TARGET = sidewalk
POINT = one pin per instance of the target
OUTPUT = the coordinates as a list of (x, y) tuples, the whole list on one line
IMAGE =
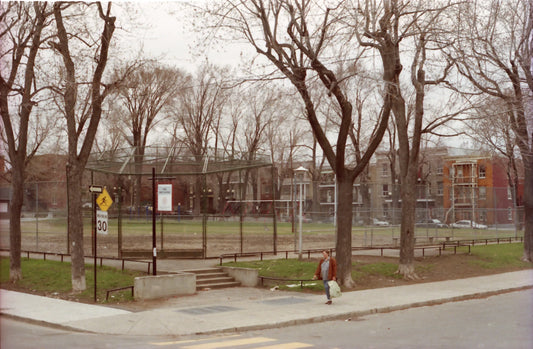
[(238, 309)]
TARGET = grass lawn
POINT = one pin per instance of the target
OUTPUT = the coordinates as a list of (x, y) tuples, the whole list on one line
[(53, 278), (373, 271), (497, 256)]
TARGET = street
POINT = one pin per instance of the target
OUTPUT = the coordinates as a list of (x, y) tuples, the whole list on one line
[(502, 321)]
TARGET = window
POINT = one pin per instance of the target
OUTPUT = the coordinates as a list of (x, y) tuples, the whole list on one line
[(385, 190), (483, 215), (355, 193), (439, 169), (460, 193), (440, 188), (509, 214), (459, 172), (482, 171), (482, 193), (509, 193), (384, 170)]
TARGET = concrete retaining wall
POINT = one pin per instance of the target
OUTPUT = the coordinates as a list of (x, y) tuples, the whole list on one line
[(247, 277), (151, 287)]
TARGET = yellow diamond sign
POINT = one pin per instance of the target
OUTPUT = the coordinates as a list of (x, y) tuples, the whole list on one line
[(104, 201)]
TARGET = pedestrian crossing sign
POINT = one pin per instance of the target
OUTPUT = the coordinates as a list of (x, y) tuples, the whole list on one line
[(104, 201)]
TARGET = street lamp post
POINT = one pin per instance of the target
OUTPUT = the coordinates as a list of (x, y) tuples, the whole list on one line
[(300, 172)]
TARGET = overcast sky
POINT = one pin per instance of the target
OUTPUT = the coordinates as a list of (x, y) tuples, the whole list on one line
[(169, 32)]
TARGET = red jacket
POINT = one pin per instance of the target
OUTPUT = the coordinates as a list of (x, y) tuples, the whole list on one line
[(332, 272)]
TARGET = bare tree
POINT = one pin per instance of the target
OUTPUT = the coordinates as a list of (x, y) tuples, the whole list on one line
[(493, 131), (143, 98), (493, 50), (284, 137), (82, 113), (197, 108), (110, 136), (21, 34), (260, 110), (225, 130), (382, 27), (299, 38)]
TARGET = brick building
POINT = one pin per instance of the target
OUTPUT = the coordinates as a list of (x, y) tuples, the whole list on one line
[(477, 188)]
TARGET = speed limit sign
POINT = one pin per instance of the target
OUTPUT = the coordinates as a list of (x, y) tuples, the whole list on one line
[(101, 222)]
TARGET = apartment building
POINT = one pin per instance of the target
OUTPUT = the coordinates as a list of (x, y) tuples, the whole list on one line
[(477, 188), (430, 185), (453, 184)]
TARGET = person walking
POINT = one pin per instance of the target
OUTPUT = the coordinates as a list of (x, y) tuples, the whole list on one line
[(326, 271)]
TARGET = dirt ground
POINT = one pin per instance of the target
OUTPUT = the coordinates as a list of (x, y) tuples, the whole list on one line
[(217, 244), (429, 269)]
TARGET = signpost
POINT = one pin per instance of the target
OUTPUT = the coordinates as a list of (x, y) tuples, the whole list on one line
[(160, 203), (164, 203), (95, 188), (101, 222), (103, 201), (164, 197)]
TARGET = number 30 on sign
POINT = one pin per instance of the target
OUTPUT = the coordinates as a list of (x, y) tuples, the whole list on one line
[(101, 222)]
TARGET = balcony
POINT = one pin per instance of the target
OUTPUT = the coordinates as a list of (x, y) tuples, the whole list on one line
[(462, 201), (465, 180)]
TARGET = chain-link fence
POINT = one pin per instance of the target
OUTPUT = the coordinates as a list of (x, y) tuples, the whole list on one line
[(243, 226)]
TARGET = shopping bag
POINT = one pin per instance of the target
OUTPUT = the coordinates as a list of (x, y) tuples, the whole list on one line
[(334, 289)]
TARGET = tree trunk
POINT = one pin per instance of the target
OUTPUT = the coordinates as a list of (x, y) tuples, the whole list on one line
[(137, 191), (18, 154), (75, 225), (138, 163), (223, 195), (364, 191), (528, 209), (407, 236), (344, 231), (198, 195), (316, 214), (76, 162), (15, 245), (255, 190)]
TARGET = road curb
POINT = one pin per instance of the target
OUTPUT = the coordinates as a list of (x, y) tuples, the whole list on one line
[(44, 323), (336, 312), (350, 315)]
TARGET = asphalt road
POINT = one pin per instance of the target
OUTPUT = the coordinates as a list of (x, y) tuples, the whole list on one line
[(502, 321)]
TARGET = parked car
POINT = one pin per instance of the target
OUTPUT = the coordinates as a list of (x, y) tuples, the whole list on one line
[(379, 223), (431, 223), (468, 224)]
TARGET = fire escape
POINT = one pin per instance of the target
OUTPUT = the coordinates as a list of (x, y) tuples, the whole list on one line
[(464, 178)]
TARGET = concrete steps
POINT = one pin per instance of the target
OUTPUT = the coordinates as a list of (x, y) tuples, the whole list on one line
[(212, 278)]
